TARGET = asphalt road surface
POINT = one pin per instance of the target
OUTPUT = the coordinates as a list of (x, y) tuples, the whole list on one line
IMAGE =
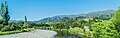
[(33, 34)]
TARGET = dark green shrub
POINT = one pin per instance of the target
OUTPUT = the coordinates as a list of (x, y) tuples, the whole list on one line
[(1, 21), (6, 28)]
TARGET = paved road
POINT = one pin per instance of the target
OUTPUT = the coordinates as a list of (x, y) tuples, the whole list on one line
[(32, 34)]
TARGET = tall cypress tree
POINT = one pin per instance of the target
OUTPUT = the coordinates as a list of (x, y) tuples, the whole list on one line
[(25, 19), (5, 15), (1, 8), (1, 12)]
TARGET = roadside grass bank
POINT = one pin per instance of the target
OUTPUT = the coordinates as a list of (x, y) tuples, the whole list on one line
[(16, 31)]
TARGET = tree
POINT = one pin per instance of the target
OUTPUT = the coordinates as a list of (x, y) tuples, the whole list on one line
[(1, 12), (25, 19), (108, 29), (75, 24), (65, 18), (104, 29), (1, 8), (116, 20), (4, 13)]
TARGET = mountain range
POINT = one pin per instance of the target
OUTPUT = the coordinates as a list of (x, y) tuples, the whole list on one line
[(59, 18)]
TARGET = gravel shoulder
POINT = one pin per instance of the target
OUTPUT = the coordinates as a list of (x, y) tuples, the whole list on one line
[(33, 34)]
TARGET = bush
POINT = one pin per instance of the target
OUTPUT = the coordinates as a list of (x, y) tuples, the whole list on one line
[(28, 29), (24, 30), (85, 32), (76, 31), (1, 21), (25, 25), (1, 26), (6, 28), (104, 29), (12, 27)]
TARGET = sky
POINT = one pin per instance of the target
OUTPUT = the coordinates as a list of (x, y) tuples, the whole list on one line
[(39, 9)]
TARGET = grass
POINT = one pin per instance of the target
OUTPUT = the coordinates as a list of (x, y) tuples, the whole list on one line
[(16, 31), (10, 32)]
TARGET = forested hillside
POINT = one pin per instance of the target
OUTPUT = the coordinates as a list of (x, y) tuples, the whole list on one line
[(107, 14)]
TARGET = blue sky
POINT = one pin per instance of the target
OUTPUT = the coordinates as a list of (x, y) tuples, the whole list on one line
[(38, 9)]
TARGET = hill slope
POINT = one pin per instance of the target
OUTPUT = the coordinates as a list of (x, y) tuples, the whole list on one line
[(87, 15)]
